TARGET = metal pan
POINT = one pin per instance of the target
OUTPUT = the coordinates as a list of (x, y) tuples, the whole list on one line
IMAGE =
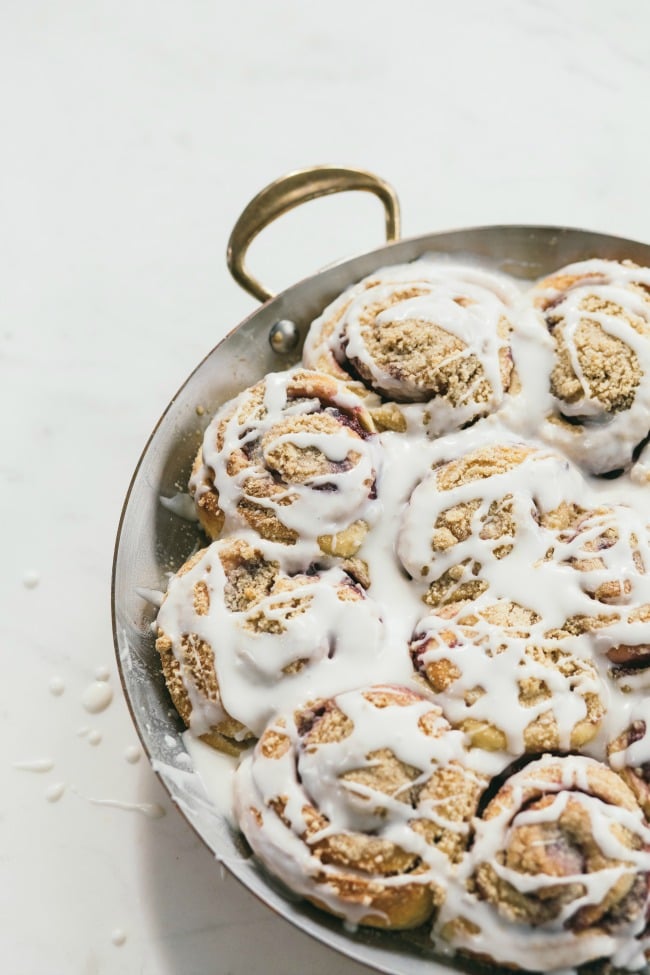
[(153, 541)]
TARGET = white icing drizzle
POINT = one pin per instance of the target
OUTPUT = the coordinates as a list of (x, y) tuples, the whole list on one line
[(217, 771), (406, 461), (153, 596)]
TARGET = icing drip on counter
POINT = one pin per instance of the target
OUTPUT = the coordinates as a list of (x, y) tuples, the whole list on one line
[(181, 505), (57, 686), (37, 765), (97, 696), (55, 791), (151, 810)]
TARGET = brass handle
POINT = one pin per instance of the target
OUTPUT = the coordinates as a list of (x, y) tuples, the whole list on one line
[(290, 191)]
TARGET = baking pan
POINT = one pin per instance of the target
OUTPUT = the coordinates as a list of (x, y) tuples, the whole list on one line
[(153, 540)]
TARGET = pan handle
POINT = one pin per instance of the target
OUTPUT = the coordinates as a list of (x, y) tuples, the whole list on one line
[(290, 191)]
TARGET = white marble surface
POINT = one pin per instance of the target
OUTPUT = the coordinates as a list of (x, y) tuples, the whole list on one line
[(131, 137)]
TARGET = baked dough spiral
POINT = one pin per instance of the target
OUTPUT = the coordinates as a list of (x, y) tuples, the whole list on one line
[(609, 546), (425, 332), (294, 458), (361, 803), (559, 871), (598, 315), (239, 638)]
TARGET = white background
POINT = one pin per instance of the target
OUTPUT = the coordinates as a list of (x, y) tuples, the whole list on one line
[(131, 136)]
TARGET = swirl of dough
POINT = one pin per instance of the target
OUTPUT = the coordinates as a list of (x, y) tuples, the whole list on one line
[(361, 803), (467, 517), (239, 638), (498, 679), (598, 315), (422, 333), (558, 874), (293, 457)]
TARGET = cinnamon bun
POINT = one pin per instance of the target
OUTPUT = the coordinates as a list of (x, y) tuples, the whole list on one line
[(362, 804), (608, 550), (425, 332), (598, 316), (239, 638), (497, 678), (294, 458), (558, 874)]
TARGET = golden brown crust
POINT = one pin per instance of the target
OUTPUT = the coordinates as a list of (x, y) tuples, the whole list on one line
[(196, 658), (484, 462), (190, 660)]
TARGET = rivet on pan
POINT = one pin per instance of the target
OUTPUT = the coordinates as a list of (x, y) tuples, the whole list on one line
[(283, 336)]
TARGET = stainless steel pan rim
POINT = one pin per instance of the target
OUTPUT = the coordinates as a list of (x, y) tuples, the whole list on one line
[(152, 541)]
